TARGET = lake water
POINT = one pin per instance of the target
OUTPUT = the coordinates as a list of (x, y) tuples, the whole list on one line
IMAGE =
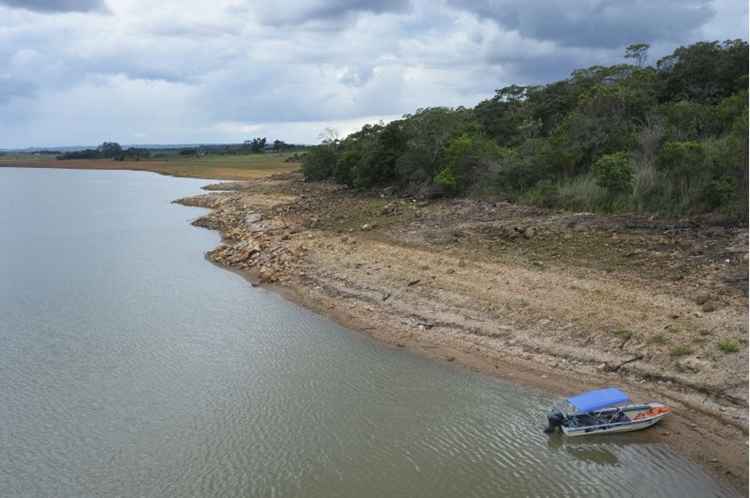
[(131, 366)]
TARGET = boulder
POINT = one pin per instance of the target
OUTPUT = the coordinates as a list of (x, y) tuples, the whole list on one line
[(253, 218), (702, 299), (709, 307), (693, 365)]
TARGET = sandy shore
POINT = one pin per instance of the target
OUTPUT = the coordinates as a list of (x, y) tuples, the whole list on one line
[(554, 300)]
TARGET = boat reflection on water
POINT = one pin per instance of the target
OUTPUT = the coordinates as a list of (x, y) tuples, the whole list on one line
[(598, 450)]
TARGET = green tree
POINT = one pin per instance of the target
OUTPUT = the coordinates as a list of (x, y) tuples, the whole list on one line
[(318, 163), (638, 52), (257, 145), (110, 149)]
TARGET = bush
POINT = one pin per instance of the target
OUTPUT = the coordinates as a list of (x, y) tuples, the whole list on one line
[(447, 180), (544, 194), (582, 194), (728, 346), (650, 188), (319, 162), (681, 350), (614, 173), (682, 161), (522, 168)]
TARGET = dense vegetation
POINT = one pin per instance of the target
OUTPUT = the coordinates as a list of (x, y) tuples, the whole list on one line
[(670, 138)]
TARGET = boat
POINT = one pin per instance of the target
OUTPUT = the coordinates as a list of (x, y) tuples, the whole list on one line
[(603, 411)]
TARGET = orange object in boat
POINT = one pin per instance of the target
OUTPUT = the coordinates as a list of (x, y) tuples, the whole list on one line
[(652, 412)]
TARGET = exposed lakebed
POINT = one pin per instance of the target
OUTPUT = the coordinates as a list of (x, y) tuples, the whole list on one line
[(131, 366)]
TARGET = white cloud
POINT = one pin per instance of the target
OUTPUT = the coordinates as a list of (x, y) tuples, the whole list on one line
[(195, 71)]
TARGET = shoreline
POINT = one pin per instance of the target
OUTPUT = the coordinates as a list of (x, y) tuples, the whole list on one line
[(683, 430), (248, 168), (288, 257), (285, 254)]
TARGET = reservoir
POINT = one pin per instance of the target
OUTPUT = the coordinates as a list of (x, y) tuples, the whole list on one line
[(131, 366)]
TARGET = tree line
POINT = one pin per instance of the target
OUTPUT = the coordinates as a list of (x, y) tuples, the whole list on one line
[(113, 150), (668, 138)]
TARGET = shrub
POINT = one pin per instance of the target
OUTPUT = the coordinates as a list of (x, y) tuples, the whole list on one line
[(614, 172), (650, 188), (728, 346), (319, 162), (544, 194), (682, 160), (582, 194), (681, 350), (657, 339), (447, 180)]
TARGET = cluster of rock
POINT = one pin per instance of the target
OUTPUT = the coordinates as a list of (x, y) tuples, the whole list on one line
[(251, 242)]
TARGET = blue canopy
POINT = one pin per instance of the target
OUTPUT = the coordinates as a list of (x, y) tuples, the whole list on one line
[(598, 399)]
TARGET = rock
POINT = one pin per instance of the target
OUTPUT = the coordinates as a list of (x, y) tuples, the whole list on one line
[(432, 191), (413, 282), (529, 232), (708, 307), (252, 218), (450, 271), (450, 358), (702, 299), (693, 365), (389, 209), (365, 227)]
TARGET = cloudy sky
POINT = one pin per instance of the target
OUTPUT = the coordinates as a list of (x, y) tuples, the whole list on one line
[(78, 72)]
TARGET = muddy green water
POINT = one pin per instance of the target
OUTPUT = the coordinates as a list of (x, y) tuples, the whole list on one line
[(130, 366)]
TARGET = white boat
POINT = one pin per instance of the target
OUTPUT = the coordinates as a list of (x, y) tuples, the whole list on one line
[(603, 411)]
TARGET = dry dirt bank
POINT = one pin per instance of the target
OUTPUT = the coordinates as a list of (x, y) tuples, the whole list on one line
[(558, 300)]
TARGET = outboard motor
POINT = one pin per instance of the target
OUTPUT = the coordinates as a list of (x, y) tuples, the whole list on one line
[(555, 419)]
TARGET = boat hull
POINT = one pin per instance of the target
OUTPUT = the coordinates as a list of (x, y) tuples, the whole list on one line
[(639, 417)]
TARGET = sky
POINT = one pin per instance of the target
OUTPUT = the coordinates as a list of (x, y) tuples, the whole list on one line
[(80, 72)]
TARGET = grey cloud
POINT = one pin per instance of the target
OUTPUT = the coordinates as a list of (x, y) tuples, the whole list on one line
[(356, 76), (186, 71), (330, 11), (12, 88), (57, 5), (602, 23)]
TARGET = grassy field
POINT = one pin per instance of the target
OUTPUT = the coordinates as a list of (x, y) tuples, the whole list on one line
[(213, 166)]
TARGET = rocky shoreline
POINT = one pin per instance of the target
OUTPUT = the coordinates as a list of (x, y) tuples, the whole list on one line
[(563, 301)]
